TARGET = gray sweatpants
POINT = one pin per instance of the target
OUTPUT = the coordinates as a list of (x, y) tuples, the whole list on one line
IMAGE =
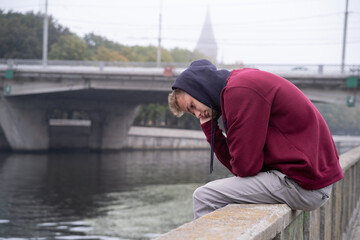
[(267, 188)]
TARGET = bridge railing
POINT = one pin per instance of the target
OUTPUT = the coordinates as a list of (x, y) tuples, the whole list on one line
[(101, 64), (298, 69), (307, 69)]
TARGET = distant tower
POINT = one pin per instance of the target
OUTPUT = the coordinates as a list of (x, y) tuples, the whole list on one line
[(207, 43)]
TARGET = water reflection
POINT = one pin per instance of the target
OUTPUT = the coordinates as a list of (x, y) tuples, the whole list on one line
[(118, 195), (125, 195)]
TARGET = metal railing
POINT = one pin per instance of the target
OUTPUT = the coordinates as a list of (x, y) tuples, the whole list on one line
[(299, 69)]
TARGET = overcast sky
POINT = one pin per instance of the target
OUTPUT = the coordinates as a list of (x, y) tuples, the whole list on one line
[(248, 31)]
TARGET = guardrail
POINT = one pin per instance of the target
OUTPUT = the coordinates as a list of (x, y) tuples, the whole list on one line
[(102, 65)]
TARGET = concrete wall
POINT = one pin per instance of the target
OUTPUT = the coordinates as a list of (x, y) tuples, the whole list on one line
[(278, 221), (165, 138)]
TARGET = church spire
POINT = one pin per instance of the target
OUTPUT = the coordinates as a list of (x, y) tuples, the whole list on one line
[(207, 43)]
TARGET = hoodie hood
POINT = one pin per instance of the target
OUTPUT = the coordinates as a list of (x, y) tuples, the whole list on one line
[(203, 82)]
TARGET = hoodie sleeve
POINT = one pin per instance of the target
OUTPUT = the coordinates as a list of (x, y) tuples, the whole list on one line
[(247, 114)]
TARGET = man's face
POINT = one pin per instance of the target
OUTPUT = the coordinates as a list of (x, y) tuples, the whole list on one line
[(190, 105)]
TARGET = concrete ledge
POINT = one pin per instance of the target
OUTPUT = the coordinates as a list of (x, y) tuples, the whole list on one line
[(165, 138), (235, 221), (278, 221), (166, 132), (69, 122)]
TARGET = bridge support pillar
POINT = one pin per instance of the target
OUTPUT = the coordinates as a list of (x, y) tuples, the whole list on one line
[(110, 125), (24, 124)]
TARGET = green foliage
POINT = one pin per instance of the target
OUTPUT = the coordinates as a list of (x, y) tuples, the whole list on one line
[(183, 55), (94, 41), (69, 47), (21, 35), (148, 54), (341, 120), (107, 54), (112, 51), (145, 54), (159, 115)]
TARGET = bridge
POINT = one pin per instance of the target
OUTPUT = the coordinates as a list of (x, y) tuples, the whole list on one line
[(109, 93)]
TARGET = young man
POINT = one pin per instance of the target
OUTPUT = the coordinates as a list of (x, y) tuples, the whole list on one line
[(277, 144)]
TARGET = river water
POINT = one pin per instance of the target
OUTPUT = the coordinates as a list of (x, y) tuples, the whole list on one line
[(118, 195)]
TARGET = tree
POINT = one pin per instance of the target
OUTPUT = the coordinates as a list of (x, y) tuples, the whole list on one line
[(159, 115), (341, 119), (93, 42), (149, 54), (181, 55), (166, 56), (21, 35), (69, 47), (106, 54), (145, 54), (184, 55), (97, 43)]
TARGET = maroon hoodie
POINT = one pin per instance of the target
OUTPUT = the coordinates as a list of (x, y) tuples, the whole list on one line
[(271, 124)]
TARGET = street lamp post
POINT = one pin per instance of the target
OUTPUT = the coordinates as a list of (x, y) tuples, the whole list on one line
[(344, 38), (158, 59), (45, 36)]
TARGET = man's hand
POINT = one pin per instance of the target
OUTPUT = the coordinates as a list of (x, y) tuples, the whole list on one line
[(204, 120)]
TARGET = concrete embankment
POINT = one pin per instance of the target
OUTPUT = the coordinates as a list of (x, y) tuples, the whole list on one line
[(165, 138)]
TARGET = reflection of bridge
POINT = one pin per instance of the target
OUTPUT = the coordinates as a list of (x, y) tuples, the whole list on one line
[(110, 96)]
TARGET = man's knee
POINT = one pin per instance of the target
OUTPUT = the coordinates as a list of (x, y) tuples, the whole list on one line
[(202, 202), (205, 197), (199, 194)]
